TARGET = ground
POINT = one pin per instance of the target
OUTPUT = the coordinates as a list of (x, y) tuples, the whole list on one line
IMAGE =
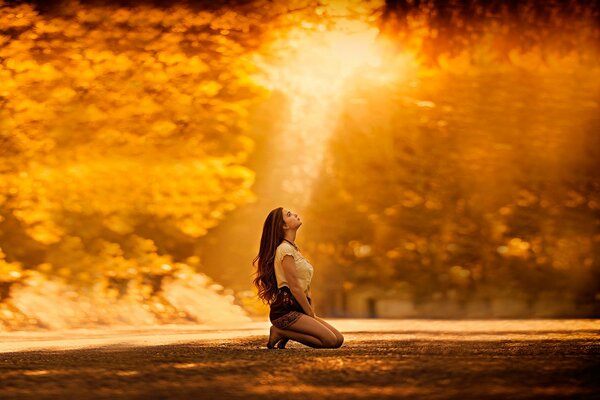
[(390, 359)]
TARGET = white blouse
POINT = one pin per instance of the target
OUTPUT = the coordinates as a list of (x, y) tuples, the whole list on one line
[(304, 270)]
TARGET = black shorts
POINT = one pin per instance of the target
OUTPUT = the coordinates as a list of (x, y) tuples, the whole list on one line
[(285, 310)]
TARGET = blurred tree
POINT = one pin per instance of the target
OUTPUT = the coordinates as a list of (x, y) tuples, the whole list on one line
[(470, 179), (123, 120)]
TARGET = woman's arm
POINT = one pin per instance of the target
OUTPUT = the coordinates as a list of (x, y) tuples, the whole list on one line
[(289, 269)]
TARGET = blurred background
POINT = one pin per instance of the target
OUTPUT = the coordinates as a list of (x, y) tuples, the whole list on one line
[(442, 155)]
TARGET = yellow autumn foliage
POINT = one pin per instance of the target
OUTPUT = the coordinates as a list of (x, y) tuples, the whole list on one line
[(112, 119)]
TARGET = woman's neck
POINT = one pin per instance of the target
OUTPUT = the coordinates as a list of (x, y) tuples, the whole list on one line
[(291, 236), (292, 242)]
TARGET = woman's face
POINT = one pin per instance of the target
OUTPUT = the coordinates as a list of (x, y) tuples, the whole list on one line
[(291, 219)]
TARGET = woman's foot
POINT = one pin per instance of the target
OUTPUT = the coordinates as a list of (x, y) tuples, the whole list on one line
[(274, 337), (282, 342)]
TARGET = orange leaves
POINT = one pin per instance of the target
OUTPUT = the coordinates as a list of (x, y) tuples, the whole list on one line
[(142, 118), (17, 16), (49, 26), (48, 72), (98, 56), (9, 271), (193, 66), (147, 105), (21, 65), (93, 113), (208, 89), (163, 128), (172, 58)]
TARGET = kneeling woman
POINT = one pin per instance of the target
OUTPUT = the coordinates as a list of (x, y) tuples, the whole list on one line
[(283, 278)]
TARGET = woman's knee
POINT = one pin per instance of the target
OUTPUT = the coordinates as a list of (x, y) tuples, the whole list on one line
[(337, 341), (338, 335), (340, 341), (328, 338), (330, 341)]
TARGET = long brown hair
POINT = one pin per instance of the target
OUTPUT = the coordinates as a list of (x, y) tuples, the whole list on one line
[(272, 236)]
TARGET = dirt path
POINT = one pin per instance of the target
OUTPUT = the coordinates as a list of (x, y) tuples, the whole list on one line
[(405, 363)]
